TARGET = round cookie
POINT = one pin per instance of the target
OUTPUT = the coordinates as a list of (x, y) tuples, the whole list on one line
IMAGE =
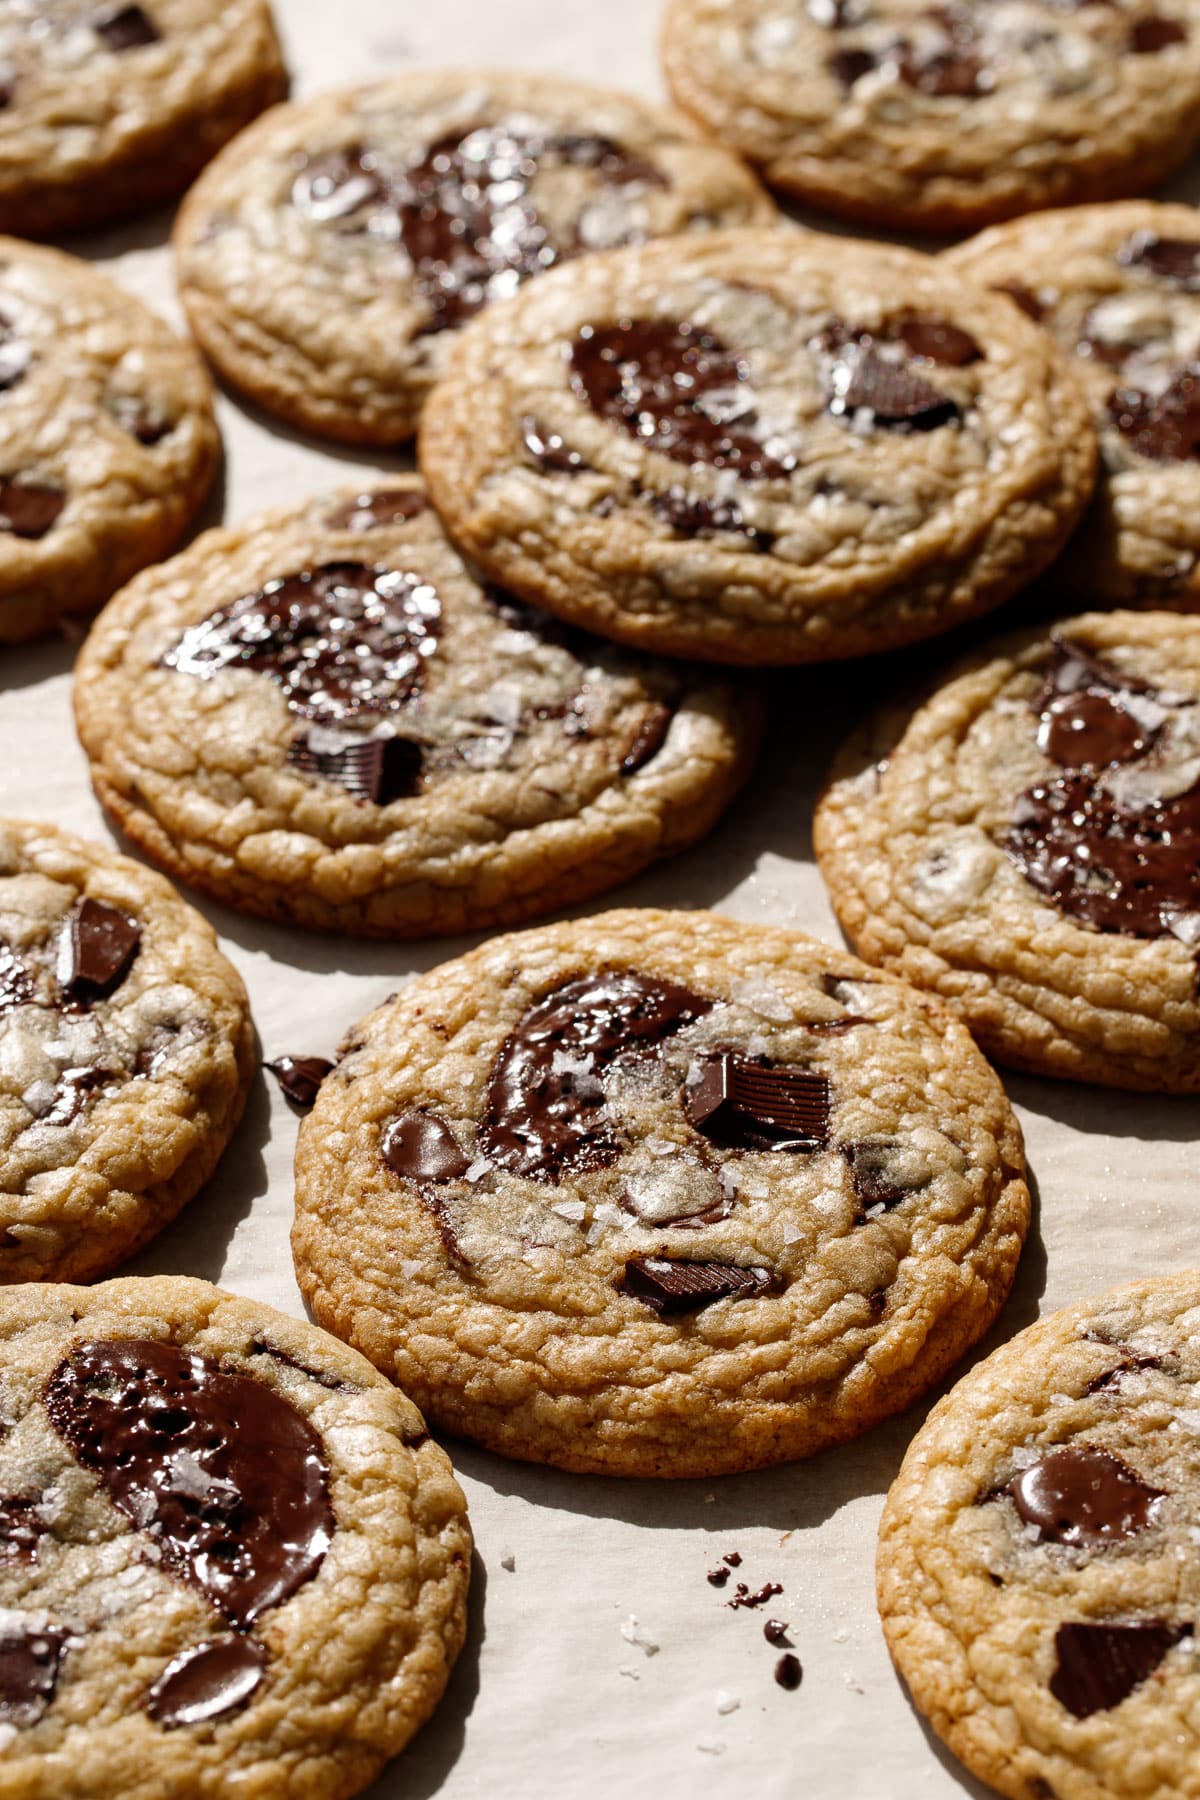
[(1026, 844), (126, 1051), (1118, 287), (941, 117), (758, 447), (108, 444), (323, 717), (233, 1559), (107, 109), (657, 1193), (1038, 1574), (328, 257)]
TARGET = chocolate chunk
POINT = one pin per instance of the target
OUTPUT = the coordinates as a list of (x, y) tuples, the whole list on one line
[(717, 1577), (421, 1147), (647, 740), (96, 952), (744, 1598), (207, 1682), (232, 1478), (8, 86), (1100, 1665), (549, 450), (339, 640), (141, 421), (74, 1089), (1150, 35), (1176, 260), (386, 506), (14, 355), (1091, 730), (864, 379), (1164, 427), (542, 1120), (936, 340), (692, 515), (953, 73), (336, 184), (300, 1077), (733, 1559), (30, 1660), (651, 377), (1131, 1363), (260, 1347), (747, 1103), (1084, 1495), (1022, 296), (775, 1631), (850, 65), (668, 1285), (873, 1185), (379, 770), (788, 1672), (16, 986), (29, 508), (20, 1528), (128, 28)]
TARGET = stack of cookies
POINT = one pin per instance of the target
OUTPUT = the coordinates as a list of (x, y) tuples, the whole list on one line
[(644, 1193)]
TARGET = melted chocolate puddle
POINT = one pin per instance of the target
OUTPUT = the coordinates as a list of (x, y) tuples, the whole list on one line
[(29, 1665), (207, 1682), (1084, 1495)]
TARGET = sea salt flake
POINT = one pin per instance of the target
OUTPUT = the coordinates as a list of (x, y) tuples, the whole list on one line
[(633, 1634), (712, 1746), (760, 997), (727, 1703), (575, 1211), (478, 1169)]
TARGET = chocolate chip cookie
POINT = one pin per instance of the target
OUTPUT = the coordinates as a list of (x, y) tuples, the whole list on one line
[(943, 116), (108, 443), (323, 717), (231, 1560), (107, 109), (1026, 843), (659, 1194), (125, 1053), (1038, 1572), (328, 257), (758, 447), (1119, 289)]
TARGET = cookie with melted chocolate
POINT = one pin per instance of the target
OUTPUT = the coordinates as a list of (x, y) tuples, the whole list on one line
[(658, 1194), (200, 1483), (378, 220), (334, 677), (1037, 1555)]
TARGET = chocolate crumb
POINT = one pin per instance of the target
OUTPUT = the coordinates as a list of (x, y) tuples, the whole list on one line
[(788, 1672), (734, 1559), (718, 1577), (775, 1631), (299, 1077), (743, 1597)]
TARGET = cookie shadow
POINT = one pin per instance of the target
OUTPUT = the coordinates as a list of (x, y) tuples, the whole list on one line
[(29, 665), (1173, 1118), (950, 1763)]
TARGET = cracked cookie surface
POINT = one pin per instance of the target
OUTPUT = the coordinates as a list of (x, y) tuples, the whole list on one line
[(941, 117), (322, 716), (328, 258), (1038, 1575), (196, 1494), (1026, 844), (659, 1194), (108, 442), (126, 1050), (758, 446)]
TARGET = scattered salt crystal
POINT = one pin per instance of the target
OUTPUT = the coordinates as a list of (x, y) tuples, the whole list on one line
[(1061, 1399), (727, 1703), (757, 1044), (873, 1212), (409, 1268), (8, 1737), (633, 1634), (853, 1683), (503, 703), (1025, 1455), (1032, 1531), (694, 1076), (712, 1746), (478, 1169), (790, 1231), (1186, 927), (508, 1561), (575, 1211), (728, 1178), (563, 1064), (1189, 1418), (751, 991)]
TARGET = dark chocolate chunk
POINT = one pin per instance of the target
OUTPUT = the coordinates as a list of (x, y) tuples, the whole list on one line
[(692, 515), (746, 1103), (260, 1347), (936, 340), (339, 640), (1091, 730), (650, 377), (1131, 1363), (744, 1598), (29, 508), (732, 1559), (20, 1528), (541, 1122), (1164, 427), (16, 985), (873, 1186), (1022, 296), (29, 1664), (788, 1672), (1152, 34), (849, 65), (300, 1077), (718, 1577), (385, 506), (549, 450), (669, 1285), (139, 419), (1084, 1495), (233, 1479), (1176, 260), (336, 184), (99, 943), (207, 1682), (421, 1147), (776, 1632), (14, 355), (379, 770), (647, 740), (863, 378), (1100, 1665), (126, 28)]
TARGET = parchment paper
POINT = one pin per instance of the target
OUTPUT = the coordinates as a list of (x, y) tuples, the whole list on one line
[(549, 1697)]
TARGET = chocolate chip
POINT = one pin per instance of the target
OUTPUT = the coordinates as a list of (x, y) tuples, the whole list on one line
[(72, 1092), (548, 449), (1100, 1665), (156, 1424), (936, 340), (1131, 1364), (1176, 260), (954, 73), (870, 1174), (29, 1664), (128, 28), (1150, 35), (746, 1103), (378, 770), (1084, 1495), (717, 1577), (1022, 296), (775, 1631), (693, 515), (300, 1077), (260, 1347), (850, 65), (207, 1682), (1164, 427), (20, 1528), (419, 1146), (386, 506), (864, 379), (668, 1285), (29, 508), (744, 1598), (141, 421), (647, 739), (788, 1672), (96, 952)]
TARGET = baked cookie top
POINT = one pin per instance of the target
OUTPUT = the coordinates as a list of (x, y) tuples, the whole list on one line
[(1026, 843), (195, 1494), (327, 259), (322, 716), (107, 437), (1038, 1575), (758, 446), (125, 1052), (107, 107), (1118, 287), (907, 112), (658, 1193)]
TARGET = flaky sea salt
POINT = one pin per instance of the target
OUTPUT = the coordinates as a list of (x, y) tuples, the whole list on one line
[(632, 1632), (478, 1169), (727, 1703), (760, 997)]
